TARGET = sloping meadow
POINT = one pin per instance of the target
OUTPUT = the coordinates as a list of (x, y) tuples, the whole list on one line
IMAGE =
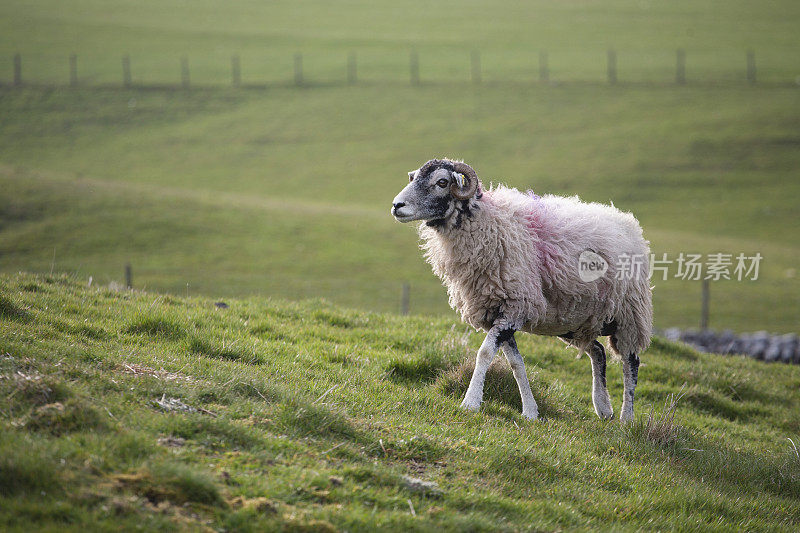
[(123, 408)]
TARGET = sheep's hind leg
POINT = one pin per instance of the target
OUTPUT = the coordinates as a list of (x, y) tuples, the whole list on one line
[(630, 375), (600, 397), (529, 408), (474, 396)]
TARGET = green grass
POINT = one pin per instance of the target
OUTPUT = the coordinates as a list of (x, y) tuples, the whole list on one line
[(315, 412), (229, 193), (509, 34), (284, 191)]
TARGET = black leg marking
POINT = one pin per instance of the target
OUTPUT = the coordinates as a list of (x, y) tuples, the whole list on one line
[(633, 363), (598, 355)]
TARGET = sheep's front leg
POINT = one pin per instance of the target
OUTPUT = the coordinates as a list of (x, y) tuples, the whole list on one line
[(474, 396), (630, 375), (600, 397), (529, 408)]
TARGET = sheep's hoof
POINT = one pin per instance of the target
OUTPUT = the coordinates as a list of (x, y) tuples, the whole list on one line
[(467, 406), (626, 415), (532, 415), (602, 406), (605, 414)]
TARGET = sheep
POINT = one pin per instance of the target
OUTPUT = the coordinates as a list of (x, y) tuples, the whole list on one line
[(546, 265)]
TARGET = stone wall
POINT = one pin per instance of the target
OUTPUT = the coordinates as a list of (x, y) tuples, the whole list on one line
[(759, 345)]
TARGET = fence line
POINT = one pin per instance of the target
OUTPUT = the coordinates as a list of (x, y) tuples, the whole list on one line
[(544, 72), (751, 66), (17, 69), (352, 77), (680, 67), (128, 276), (185, 72), (126, 71), (612, 66), (236, 71), (298, 69), (73, 70), (414, 69), (475, 66)]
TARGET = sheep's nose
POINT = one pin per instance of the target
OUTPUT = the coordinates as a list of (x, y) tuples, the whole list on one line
[(398, 205)]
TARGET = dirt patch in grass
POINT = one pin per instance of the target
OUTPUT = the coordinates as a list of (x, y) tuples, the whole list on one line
[(174, 483), (259, 505)]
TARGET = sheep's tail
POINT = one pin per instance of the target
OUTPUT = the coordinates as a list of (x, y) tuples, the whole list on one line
[(635, 321)]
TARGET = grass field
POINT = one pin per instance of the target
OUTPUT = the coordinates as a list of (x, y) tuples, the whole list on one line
[(231, 193), (306, 416), (508, 33), (302, 406), (284, 191)]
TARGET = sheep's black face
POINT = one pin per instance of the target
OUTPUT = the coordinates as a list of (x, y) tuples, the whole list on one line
[(427, 196)]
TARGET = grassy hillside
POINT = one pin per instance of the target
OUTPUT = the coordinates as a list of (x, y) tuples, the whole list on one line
[(306, 416), (284, 191)]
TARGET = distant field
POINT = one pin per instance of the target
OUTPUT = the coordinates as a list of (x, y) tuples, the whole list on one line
[(285, 191), (508, 33)]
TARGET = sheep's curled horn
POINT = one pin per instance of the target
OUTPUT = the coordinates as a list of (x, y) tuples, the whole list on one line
[(470, 178)]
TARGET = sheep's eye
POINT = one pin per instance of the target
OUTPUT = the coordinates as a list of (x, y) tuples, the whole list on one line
[(442, 183)]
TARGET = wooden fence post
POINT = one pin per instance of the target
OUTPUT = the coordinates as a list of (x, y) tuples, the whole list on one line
[(544, 69), (351, 69), (680, 67), (414, 67), (236, 71), (17, 70), (298, 69), (73, 70), (475, 62), (704, 310), (751, 67), (404, 302), (126, 71), (128, 276), (184, 72), (612, 66)]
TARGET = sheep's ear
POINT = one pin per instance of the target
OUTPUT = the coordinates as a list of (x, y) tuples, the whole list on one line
[(459, 179), (411, 174)]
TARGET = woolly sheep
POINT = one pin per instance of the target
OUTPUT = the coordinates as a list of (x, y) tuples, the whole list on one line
[(514, 261)]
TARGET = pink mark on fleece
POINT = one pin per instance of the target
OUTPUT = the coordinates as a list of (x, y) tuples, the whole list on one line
[(542, 234)]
